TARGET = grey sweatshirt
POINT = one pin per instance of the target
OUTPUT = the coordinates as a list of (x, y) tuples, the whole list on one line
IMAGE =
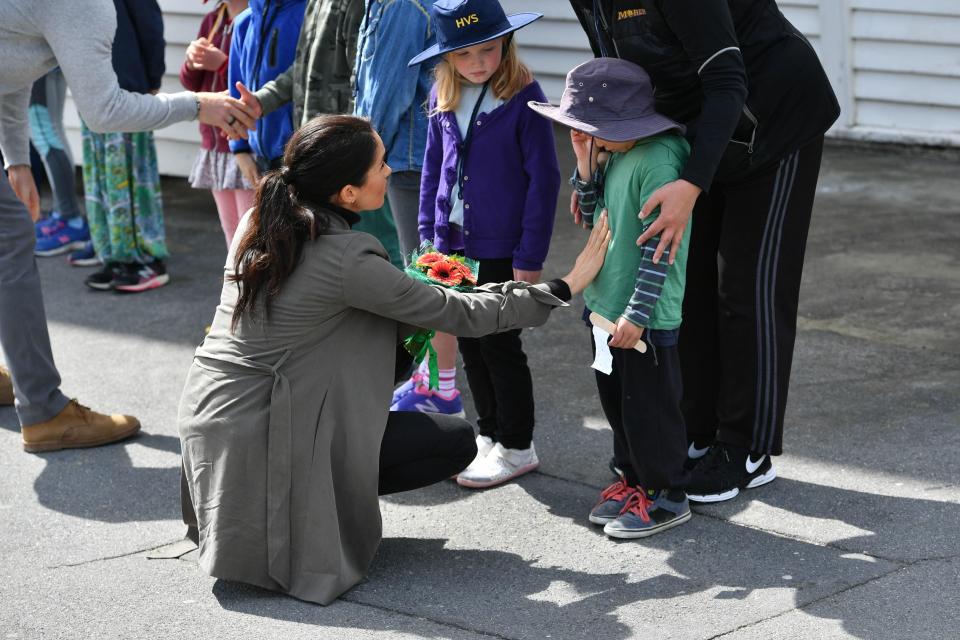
[(77, 35)]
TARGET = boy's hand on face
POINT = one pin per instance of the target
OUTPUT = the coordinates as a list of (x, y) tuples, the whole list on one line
[(627, 334), (580, 143), (586, 152)]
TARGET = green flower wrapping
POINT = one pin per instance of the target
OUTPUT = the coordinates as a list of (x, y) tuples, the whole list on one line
[(453, 272)]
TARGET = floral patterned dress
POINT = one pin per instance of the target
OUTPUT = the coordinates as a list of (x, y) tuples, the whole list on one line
[(121, 182)]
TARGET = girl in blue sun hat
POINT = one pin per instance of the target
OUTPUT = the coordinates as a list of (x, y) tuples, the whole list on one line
[(488, 191)]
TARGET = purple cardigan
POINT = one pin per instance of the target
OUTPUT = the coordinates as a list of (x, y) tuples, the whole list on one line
[(511, 183)]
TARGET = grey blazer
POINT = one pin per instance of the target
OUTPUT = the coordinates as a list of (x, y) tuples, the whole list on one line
[(281, 421)]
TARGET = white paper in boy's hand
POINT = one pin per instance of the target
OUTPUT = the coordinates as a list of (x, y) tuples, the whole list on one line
[(603, 361)]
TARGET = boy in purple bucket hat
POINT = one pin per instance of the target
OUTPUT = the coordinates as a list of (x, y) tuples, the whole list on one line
[(608, 104)]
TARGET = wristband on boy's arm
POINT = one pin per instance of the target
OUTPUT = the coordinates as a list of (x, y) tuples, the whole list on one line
[(586, 196)]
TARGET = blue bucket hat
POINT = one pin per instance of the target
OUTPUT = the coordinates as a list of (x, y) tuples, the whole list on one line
[(609, 98), (464, 23)]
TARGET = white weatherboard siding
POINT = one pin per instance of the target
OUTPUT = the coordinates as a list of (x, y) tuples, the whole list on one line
[(176, 145), (895, 65), (905, 69)]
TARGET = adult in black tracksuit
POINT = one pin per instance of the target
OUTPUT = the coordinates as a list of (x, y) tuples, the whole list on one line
[(756, 103)]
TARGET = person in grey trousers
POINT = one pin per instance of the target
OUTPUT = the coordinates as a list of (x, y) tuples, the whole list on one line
[(35, 37)]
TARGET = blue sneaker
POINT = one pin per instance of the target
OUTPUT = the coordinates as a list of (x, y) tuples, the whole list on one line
[(407, 387), (612, 501), (49, 225), (426, 400), (84, 257), (645, 514), (66, 239)]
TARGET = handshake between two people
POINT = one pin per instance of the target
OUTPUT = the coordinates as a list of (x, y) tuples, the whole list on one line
[(235, 117)]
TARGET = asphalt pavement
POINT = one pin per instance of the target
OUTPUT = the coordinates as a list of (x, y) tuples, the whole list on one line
[(857, 538)]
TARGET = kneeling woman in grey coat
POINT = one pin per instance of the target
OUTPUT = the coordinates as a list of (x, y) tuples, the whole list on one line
[(287, 439)]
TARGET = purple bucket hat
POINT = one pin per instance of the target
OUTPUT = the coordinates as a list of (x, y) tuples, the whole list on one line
[(610, 99)]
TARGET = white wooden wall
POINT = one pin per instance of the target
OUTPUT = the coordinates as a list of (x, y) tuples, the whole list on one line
[(176, 145), (902, 64), (895, 65)]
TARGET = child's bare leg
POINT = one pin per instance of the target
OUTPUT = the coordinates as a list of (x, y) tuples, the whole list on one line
[(446, 346)]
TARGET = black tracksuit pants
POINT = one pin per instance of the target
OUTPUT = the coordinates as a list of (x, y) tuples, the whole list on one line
[(740, 306), (641, 401), (498, 374)]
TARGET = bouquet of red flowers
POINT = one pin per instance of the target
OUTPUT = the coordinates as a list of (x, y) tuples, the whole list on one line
[(453, 272)]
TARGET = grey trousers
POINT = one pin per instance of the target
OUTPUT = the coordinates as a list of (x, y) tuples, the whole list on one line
[(404, 193), (23, 321)]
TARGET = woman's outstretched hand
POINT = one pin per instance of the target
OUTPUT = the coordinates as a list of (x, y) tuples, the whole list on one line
[(588, 263)]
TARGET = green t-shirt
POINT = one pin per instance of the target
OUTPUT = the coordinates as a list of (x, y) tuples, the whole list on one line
[(629, 180)]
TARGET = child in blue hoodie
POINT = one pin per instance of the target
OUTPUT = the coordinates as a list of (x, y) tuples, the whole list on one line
[(264, 46)]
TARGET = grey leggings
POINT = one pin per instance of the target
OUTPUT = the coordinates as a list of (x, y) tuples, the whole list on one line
[(404, 193), (47, 135)]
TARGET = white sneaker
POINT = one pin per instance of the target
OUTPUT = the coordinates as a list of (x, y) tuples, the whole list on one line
[(484, 446), (498, 466)]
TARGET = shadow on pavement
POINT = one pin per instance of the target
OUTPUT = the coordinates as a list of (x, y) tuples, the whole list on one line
[(497, 592), (102, 483), (428, 571)]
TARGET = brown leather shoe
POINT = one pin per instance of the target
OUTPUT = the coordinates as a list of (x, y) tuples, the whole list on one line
[(6, 388), (76, 427)]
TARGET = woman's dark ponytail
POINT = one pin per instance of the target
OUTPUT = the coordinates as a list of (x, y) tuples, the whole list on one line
[(325, 155)]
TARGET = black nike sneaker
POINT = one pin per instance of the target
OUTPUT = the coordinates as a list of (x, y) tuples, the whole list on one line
[(614, 469), (725, 470), (695, 454)]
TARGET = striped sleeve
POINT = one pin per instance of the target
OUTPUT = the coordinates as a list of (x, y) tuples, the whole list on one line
[(650, 279)]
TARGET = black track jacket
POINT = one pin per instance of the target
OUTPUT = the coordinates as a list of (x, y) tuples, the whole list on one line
[(747, 84)]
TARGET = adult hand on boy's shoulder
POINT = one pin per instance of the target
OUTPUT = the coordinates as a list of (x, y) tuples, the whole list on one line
[(676, 200), (627, 334)]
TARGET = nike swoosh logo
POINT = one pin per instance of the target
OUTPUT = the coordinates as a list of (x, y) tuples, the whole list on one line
[(753, 466), (695, 453)]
